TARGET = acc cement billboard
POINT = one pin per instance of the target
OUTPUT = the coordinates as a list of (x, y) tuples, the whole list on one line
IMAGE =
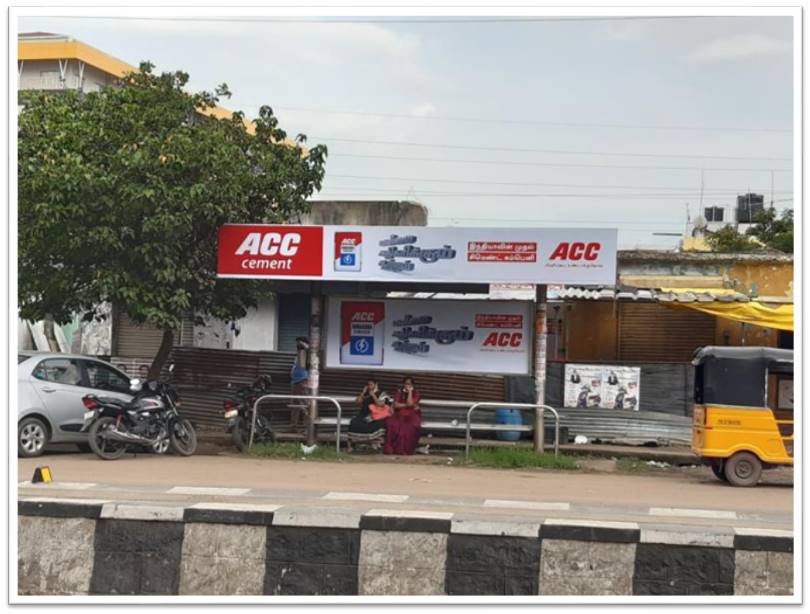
[(418, 254)]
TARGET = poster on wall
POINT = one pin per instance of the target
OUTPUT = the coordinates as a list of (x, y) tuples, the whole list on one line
[(602, 386), (418, 254), (429, 335)]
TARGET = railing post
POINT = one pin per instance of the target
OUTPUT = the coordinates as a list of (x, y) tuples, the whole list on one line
[(311, 398), (539, 430)]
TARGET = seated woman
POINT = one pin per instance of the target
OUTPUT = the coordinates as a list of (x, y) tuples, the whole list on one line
[(403, 429), (363, 428)]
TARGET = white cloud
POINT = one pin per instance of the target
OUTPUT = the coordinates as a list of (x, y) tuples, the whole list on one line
[(424, 109), (740, 46)]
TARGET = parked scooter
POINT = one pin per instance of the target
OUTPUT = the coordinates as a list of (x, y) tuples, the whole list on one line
[(239, 414), (150, 420)]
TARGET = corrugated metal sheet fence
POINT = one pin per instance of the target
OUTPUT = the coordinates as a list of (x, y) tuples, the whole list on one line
[(665, 388), (202, 376)]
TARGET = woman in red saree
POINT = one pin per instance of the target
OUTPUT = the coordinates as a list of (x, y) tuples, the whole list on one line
[(402, 430)]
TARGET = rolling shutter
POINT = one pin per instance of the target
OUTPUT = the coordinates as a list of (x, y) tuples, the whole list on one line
[(132, 340), (293, 320), (649, 332)]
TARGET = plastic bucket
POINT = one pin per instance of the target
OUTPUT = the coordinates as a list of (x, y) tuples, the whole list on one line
[(506, 415)]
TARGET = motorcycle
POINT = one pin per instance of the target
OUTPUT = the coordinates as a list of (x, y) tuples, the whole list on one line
[(238, 412), (150, 420)]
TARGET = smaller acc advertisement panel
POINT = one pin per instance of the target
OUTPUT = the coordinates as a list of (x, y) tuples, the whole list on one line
[(493, 337)]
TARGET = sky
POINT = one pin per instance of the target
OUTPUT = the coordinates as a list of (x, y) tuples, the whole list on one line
[(538, 122)]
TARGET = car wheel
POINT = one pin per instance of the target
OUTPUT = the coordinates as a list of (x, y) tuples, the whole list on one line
[(32, 435), (743, 469)]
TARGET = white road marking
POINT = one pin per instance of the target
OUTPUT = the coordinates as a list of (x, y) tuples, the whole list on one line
[(693, 513), (361, 496), (410, 514), (200, 490), (528, 505), (58, 485)]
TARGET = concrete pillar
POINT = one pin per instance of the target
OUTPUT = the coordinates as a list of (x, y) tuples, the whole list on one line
[(316, 310), (540, 308)]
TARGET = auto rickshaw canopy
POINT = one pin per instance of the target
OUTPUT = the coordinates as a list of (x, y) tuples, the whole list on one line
[(737, 376)]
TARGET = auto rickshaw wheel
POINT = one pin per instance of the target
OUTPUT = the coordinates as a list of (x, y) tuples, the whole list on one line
[(718, 469), (743, 469)]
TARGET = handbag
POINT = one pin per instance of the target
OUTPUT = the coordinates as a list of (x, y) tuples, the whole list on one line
[(380, 412)]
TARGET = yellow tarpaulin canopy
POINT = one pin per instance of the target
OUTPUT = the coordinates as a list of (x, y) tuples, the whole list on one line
[(751, 312)]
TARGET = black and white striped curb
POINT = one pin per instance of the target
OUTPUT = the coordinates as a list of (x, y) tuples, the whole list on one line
[(91, 547)]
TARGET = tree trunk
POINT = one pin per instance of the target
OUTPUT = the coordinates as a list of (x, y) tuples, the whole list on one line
[(163, 353)]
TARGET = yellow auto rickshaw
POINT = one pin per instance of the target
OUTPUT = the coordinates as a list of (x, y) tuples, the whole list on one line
[(743, 413)]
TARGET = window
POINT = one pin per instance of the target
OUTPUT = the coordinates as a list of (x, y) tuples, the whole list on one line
[(104, 377), (60, 371), (713, 214)]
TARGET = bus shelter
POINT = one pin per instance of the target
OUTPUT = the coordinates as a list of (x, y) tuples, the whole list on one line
[(349, 271)]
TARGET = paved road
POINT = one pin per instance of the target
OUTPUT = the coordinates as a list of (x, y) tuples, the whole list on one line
[(696, 498)]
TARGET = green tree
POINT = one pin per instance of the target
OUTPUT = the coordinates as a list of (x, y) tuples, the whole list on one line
[(727, 239), (121, 193), (770, 231), (775, 231)]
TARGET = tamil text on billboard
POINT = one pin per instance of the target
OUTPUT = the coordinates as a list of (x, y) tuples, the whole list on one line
[(429, 335)]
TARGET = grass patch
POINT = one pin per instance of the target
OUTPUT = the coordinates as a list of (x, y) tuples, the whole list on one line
[(508, 458), (293, 451)]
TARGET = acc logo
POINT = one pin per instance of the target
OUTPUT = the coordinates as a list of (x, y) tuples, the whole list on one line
[(504, 340), (271, 244), (363, 316), (576, 251)]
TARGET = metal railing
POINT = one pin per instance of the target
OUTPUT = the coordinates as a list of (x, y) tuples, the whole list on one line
[(335, 400), (539, 429), (297, 397)]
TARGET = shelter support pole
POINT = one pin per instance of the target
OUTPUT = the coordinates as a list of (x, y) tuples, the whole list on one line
[(540, 308), (316, 310)]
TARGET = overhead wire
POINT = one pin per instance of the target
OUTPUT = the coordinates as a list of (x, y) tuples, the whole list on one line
[(554, 164), (548, 151)]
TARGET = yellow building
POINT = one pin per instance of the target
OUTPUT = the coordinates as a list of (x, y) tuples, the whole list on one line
[(54, 62)]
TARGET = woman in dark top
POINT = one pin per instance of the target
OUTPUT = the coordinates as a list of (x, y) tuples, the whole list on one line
[(404, 428), (363, 428)]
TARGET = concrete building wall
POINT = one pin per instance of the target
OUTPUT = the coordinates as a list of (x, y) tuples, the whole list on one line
[(366, 213), (45, 75), (258, 331), (762, 279)]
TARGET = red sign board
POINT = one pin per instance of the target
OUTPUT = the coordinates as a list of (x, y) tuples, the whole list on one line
[(271, 251)]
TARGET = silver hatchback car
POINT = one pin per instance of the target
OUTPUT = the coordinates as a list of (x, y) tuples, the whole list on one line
[(50, 388)]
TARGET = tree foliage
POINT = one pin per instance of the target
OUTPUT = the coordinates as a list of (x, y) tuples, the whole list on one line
[(121, 193), (770, 231), (774, 231)]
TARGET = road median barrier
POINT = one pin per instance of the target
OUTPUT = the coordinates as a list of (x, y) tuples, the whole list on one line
[(86, 547)]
